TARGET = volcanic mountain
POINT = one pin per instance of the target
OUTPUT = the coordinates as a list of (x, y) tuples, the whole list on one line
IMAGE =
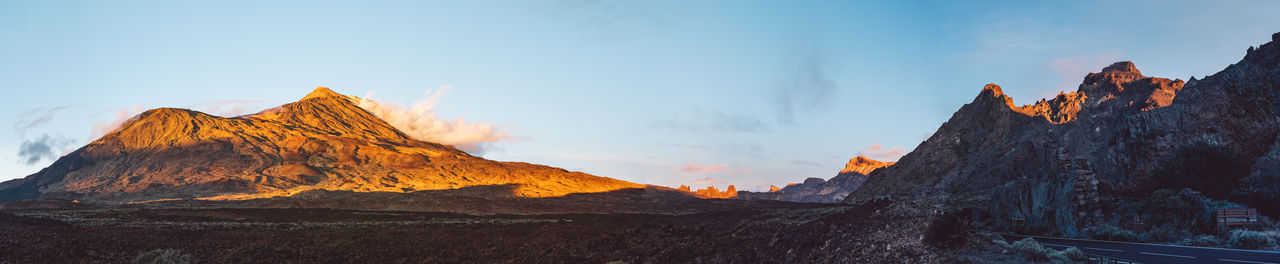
[(1072, 160), (323, 142), (817, 190)]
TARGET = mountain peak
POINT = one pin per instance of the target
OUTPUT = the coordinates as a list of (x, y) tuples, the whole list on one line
[(332, 113), (322, 142), (321, 92), (995, 89), (1122, 66), (992, 97), (864, 165), (1266, 55)]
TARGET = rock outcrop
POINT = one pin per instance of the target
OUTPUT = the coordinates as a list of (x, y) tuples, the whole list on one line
[(711, 192), (1058, 162), (817, 190), (322, 142), (863, 165)]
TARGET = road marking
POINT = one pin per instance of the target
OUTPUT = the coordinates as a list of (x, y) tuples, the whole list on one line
[(1104, 249), (1038, 238), (1056, 245), (1246, 261), (1166, 255)]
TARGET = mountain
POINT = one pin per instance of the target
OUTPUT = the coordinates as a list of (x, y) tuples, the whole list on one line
[(1075, 160), (322, 142), (863, 166), (817, 190)]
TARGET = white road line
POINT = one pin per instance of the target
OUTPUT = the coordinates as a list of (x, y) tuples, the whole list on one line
[(1246, 261), (1166, 255), (1104, 249), (1038, 238), (1056, 245)]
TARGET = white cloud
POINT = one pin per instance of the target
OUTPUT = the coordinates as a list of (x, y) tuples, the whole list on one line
[(122, 115), (420, 122), (33, 151)]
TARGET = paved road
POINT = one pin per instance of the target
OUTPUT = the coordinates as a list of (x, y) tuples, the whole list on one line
[(1156, 253)]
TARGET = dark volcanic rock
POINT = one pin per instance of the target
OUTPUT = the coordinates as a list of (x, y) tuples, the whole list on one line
[(1121, 134)]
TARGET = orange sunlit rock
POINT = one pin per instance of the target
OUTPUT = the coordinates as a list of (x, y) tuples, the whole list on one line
[(864, 165), (1120, 81), (711, 192), (323, 141)]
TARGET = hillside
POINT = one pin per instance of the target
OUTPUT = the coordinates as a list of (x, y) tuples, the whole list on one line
[(1076, 160), (818, 190), (322, 142)]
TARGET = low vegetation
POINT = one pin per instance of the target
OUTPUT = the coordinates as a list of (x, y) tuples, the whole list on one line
[(1202, 241), (1247, 239), (1112, 233), (1184, 217), (1033, 251)]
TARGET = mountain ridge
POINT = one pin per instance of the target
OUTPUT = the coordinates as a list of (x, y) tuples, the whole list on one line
[(324, 141), (818, 190), (1064, 163)]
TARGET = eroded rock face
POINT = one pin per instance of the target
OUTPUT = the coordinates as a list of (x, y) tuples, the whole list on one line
[(1055, 163), (711, 192), (323, 141), (863, 165), (817, 190)]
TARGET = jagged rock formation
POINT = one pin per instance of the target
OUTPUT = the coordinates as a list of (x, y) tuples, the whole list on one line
[(1121, 134), (863, 165), (322, 142), (711, 192), (816, 190)]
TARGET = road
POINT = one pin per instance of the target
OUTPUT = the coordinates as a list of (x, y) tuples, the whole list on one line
[(1157, 253)]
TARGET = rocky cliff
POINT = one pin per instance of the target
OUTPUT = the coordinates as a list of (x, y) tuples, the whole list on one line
[(817, 190), (322, 142), (1060, 163), (711, 192)]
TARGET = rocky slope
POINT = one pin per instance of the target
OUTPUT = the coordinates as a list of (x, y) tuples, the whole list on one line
[(817, 190), (1062, 163), (322, 142)]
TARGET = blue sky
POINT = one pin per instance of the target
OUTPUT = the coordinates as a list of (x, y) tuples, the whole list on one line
[(750, 93)]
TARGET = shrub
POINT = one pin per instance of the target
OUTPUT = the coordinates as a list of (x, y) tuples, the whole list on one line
[(1033, 251), (1246, 239), (1030, 248), (1002, 243), (1113, 233), (1074, 254), (1069, 255), (1177, 212), (1205, 241), (1206, 165), (163, 256), (1057, 256), (949, 230)]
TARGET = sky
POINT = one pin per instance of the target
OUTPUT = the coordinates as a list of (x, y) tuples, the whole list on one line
[(700, 93)]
